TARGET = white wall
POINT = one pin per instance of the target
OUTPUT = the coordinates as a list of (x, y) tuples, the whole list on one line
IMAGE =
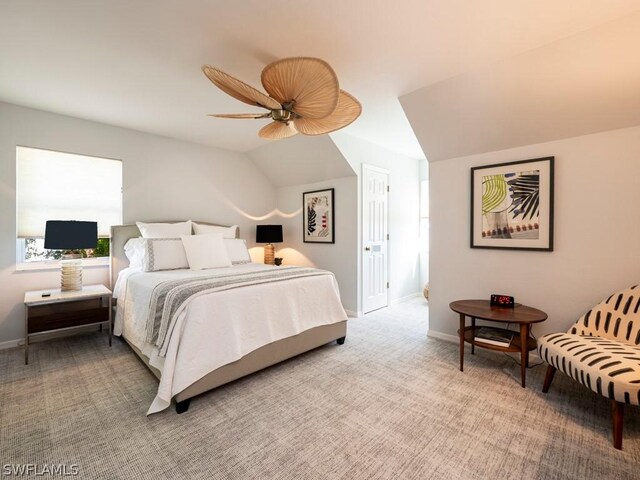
[(424, 236), (163, 179), (339, 258), (596, 242), (404, 204)]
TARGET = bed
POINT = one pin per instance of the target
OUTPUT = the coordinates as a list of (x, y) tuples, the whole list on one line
[(223, 334)]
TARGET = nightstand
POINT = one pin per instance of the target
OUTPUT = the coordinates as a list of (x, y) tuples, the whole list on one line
[(60, 311)]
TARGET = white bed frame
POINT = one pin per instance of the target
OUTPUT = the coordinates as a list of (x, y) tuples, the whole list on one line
[(261, 358)]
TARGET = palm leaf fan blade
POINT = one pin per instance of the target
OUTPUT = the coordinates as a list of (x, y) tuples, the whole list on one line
[(238, 89), (309, 84), (277, 131), (239, 115), (346, 112)]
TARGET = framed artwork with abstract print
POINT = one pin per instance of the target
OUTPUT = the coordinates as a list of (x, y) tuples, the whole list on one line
[(318, 216), (512, 205)]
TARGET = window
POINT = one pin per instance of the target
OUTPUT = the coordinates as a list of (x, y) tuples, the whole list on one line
[(63, 186)]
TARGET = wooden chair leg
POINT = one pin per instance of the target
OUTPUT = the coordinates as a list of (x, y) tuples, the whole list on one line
[(617, 416), (548, 378)]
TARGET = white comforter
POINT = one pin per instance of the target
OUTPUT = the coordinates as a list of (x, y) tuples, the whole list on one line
[(221, 327)]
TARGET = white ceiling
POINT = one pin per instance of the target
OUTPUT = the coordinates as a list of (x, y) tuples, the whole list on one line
[(586, 83), (137, 64)]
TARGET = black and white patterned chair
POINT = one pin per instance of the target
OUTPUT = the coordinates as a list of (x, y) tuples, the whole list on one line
[(602, 352)]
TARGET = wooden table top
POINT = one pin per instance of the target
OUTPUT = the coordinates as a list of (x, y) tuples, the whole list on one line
[(482, 309)]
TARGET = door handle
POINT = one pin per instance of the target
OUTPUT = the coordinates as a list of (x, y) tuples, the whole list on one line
[(368, 249)]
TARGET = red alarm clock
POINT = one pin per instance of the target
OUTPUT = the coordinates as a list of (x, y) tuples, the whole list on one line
[(502, 300)]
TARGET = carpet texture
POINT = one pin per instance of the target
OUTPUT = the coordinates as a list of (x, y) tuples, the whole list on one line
[(388, 404)]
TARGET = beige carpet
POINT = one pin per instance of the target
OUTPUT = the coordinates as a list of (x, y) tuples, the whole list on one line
[(389, 403)]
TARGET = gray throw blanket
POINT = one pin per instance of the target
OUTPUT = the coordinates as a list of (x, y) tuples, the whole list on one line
[(169, 298)]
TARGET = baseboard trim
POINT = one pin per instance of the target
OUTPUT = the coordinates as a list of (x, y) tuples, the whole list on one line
[(443, 336), (49, 335), (351, 313), (19, 342), (406, 298)]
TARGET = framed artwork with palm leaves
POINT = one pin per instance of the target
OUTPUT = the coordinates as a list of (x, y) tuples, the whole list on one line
[(318, 216), (512, 205)]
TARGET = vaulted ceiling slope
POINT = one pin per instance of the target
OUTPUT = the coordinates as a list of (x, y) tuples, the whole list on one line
[(586, 83), (137, 64), (301, 160)]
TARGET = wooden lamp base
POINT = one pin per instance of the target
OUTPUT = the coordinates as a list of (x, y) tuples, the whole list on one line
[(269, 254)]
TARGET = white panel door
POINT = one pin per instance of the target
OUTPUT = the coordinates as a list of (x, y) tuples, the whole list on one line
[(375, 275)]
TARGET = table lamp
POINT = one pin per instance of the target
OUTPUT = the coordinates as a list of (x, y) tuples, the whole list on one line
[(269, 234), (70, 236)]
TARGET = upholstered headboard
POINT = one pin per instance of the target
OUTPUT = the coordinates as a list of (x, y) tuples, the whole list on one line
[(120, 234)]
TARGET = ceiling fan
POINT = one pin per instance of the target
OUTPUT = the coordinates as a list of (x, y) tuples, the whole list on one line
[(304, 96)]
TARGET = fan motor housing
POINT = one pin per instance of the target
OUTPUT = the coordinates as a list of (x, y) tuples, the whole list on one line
[(281, 115)]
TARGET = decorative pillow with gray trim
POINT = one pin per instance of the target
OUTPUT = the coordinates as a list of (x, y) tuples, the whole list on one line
[(164, 254)]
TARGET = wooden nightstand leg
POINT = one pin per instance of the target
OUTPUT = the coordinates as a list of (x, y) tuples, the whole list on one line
[(461, 342), (473, 341), (524, 351)]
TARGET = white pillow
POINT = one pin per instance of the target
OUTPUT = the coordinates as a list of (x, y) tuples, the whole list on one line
[(164, 254), (164, 230), (206, 251), (134, 250), (227, 232), (237, 250)]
